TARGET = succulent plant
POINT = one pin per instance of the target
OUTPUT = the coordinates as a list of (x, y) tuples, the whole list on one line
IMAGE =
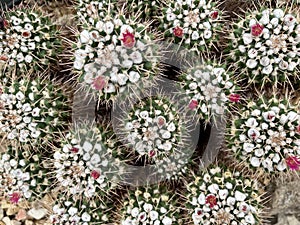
[(73, 211), (191, 24), (114, 55), (150, 205), (153, 128), (265, 47), (32, 111), (266, 135), (84, 165), (210, 90), (24, 173), (219, 196), (29, 40)]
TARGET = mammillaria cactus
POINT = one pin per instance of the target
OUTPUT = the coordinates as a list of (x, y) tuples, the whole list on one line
[(70, 211), (219, 196), (210, 90), (115, 54), (29, 40), (265, 47), (266, 135), (191, 24), (150, 205), (84, 165), (33, 111), (23, 173)]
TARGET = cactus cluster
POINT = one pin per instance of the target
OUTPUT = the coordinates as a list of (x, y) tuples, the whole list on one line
[(114, 55), (210, 89), (266, 135), (84, 165), (265, 47), (191, 24), (220, 196)]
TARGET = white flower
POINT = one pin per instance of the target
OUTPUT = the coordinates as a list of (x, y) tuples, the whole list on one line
[(283, 119), (281, 166), (84, 37), (134, 76), (223, 194), (231, 201), (108, 27), (248, 147), (254, 161), (144, 114), (20, 96), (136, 57), (269, 116), (207, 34), (213, 188), (122, 79), (259, 152), (251, 122), (167, 221), (142, 216), (278, 13), (283, 65), (72, 211), (87, 146), (110, 88), (250, 219), (135, 212), (247, 38), (265, 61), (171, 127), (251, 63), (252, 53), (253, 134), (147, 207), (267, 70), (195, 35), (201, 199), (28, 58), (86, 217), (153, 215), (239, 196), (293, 116), (78, 64), (36, 112)]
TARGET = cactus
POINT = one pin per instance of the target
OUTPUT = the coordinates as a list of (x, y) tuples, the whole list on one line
[(266, 135), (84, 165), (265, 47), (114, 55), (191, 24), (29, 40), (210, 90), (219, 196)]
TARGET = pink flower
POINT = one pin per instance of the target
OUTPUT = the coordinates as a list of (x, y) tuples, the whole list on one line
[(234, 98), (193, 104), (152, 153), (178, 31), (293, 162), (99, 83), (75, 150), (14, 197), (211, 200), (3, 58), (128, 39), (214, 15), (95, 174), (257, 29)]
